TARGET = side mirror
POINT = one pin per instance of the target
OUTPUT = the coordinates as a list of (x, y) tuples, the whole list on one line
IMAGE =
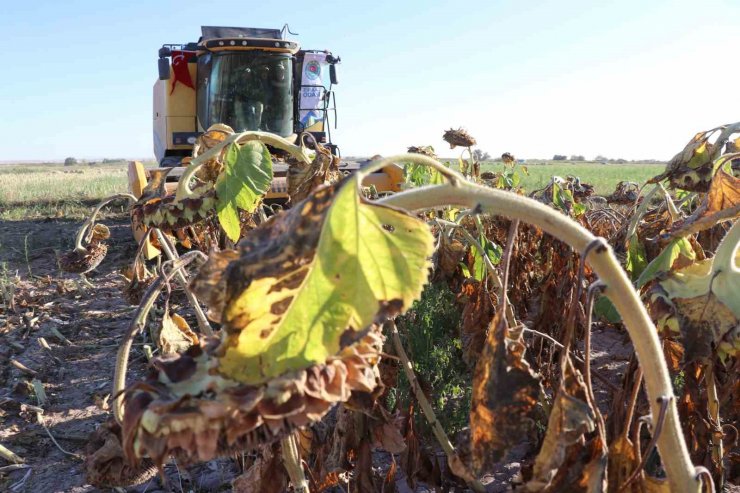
[(333, 74), (163, 65)]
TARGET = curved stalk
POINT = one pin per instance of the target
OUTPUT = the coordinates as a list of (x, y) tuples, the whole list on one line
[(138, 322), (727, 131), (171, 252), (672, 210), (724, 257), (619, 290), (641, 211), (453, 176), (183, 187), (90, 221), (137, 325), (714, 419)]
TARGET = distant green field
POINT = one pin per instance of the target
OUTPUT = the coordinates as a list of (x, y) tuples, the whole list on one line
[(54, 190), (604, 177)]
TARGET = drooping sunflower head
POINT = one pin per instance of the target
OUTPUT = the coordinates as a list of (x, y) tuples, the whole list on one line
[(424, 150), (459, 137)]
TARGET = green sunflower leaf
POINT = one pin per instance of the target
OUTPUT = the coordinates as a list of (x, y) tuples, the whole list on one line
[(246, 177)]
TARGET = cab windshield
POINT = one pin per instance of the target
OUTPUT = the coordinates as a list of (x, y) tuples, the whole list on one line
[(251, 91)]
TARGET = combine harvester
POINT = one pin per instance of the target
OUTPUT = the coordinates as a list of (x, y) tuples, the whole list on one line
[(248, 79)]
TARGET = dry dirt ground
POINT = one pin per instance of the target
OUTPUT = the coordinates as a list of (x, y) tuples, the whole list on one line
[(76, 371)]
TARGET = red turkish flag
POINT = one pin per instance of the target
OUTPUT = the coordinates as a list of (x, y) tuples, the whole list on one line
[(180, 69)]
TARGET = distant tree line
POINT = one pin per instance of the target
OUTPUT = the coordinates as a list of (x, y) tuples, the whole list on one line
[(603, 159), (71, 161)]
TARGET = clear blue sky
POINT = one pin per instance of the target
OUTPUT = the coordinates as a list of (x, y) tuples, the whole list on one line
[(627, 78)]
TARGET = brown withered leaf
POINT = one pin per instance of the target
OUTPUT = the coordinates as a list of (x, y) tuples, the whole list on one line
[(505, 394), (329, 481), (477, 314), (389, 482), (414, 461), (622, 463), (389, 437), (722, 203), (105, 464), (343, 440), (175, 335), (673, 353), (571, 417), (450, 253), (304, 178), (265, 474), (723, 193), (594, 477)]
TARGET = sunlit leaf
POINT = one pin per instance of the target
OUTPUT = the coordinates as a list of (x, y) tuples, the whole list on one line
[(705, 295), (246, 177), (563, 199), (664, 262), (316, 278), (692, 168), (175, 335)]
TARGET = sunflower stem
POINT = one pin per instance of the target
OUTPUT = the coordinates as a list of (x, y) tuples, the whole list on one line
[(90, 221), (724, 257), (426, 407), (138, 322), (292, 463), (171, 254), (715, 421)]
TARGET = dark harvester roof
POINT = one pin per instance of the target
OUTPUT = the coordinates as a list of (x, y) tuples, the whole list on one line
[(215, 32)]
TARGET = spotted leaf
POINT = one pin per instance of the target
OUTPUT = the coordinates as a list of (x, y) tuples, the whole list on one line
[(314, 279)]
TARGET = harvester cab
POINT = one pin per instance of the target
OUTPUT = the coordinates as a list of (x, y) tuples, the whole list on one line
[(248, 79)]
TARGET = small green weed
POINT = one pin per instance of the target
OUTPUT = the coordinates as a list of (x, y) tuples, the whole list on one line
[(430, 335)]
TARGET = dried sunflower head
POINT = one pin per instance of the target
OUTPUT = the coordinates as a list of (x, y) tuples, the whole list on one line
[(459, 137), (186, 408), (100, 232), (214, 136), (425, 150), (83, 261), (168, 214)]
